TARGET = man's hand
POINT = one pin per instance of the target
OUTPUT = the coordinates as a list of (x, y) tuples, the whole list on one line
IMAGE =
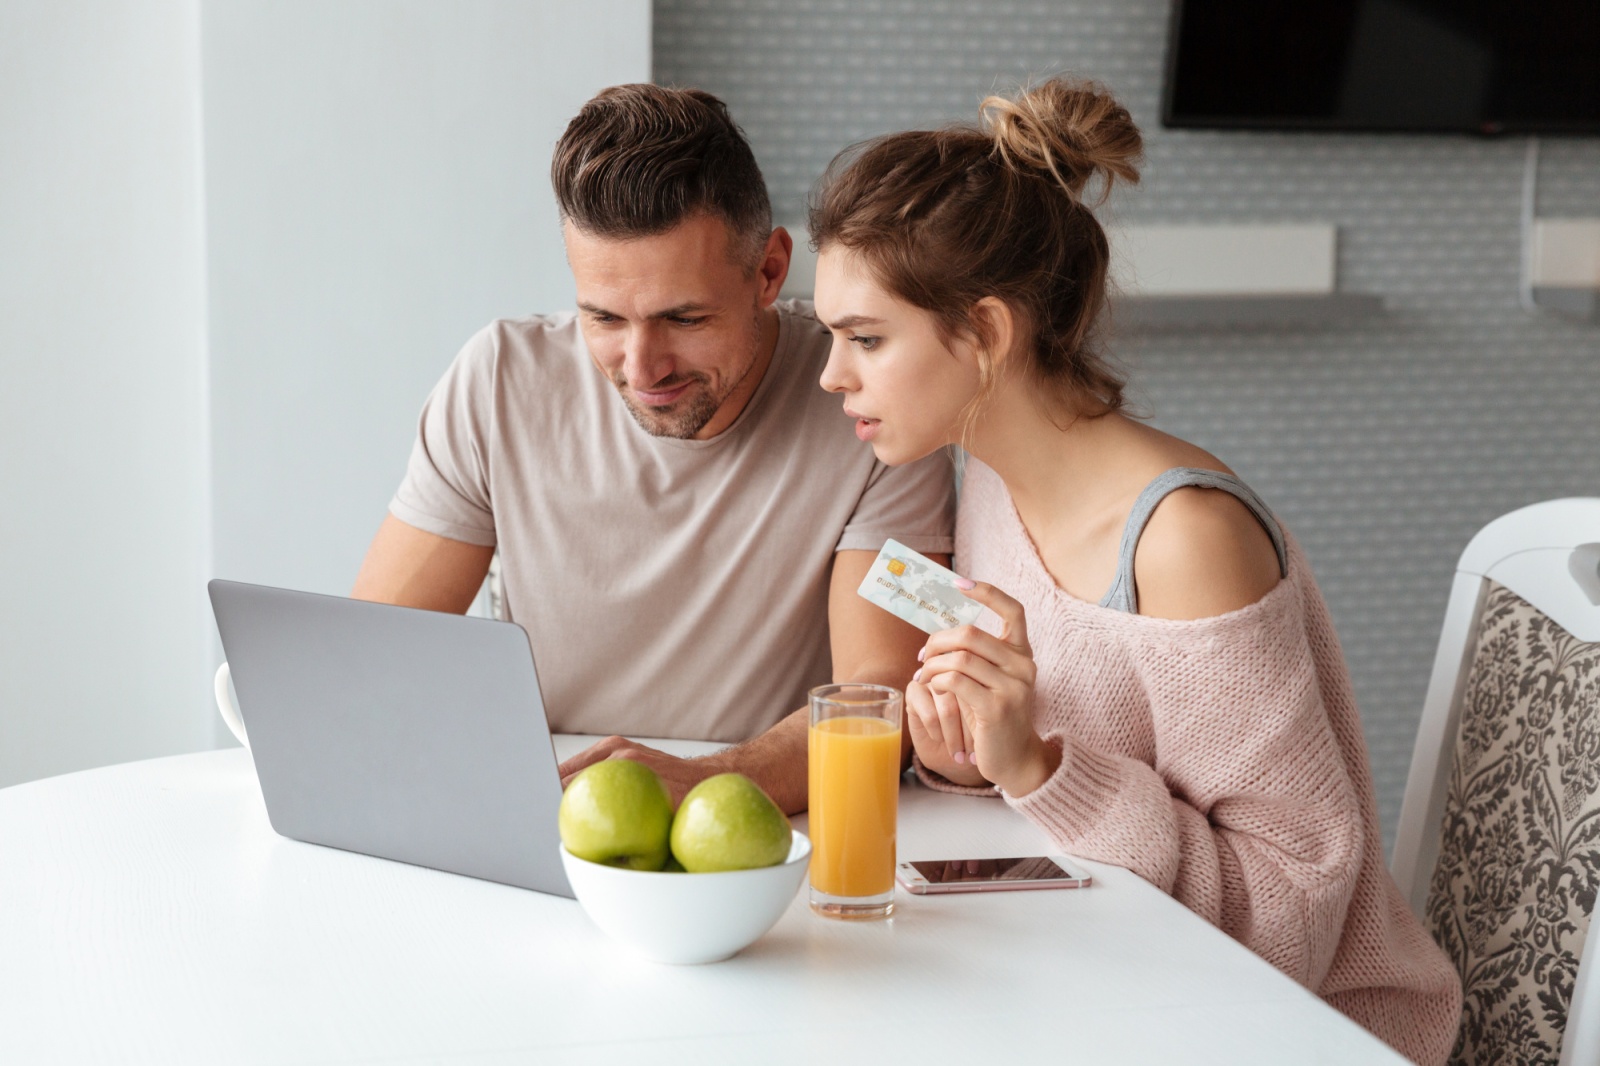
[(679, 775), (775, 761)]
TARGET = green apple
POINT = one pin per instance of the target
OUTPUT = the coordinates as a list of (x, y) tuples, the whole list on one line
[(727, 823), (617, 812)]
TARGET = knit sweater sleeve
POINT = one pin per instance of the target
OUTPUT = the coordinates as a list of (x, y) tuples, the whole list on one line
[(1248, 815)]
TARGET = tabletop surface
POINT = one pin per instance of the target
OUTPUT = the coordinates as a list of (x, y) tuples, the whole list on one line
[(149, 914)]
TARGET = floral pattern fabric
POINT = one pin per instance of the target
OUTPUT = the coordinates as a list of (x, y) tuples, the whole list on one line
[(1519, 856)]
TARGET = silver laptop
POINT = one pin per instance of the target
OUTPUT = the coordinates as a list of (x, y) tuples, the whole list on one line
[(406, 734)]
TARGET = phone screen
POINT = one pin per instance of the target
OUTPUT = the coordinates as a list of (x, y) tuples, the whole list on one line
[(973, 871)]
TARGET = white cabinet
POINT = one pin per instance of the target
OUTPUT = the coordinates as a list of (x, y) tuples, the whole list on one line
[(1564, 267), (1243, 275)]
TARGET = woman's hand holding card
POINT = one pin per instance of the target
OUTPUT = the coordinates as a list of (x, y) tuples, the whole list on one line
[(980, 691), (970, 708)]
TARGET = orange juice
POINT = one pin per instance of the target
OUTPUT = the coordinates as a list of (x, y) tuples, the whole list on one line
[(855, 792)]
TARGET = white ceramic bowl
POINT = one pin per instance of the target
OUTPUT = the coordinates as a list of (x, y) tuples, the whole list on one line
[(683, 917)]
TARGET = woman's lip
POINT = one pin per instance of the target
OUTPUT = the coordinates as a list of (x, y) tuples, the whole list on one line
[(867, 428), (661, 399)]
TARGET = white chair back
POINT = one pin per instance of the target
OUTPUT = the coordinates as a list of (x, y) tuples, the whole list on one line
[(1522, 576)]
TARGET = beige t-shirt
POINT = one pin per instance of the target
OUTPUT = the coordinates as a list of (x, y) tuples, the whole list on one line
[(670, 588)]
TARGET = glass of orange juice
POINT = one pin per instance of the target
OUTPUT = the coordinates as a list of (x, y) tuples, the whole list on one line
[(854, 752)]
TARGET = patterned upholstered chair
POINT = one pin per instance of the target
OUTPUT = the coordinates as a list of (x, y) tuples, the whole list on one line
[(1498, 848)]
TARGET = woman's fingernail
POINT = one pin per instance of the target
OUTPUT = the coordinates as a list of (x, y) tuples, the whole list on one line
[(965, 582), (961, 756), (917, 676), (922, 653)]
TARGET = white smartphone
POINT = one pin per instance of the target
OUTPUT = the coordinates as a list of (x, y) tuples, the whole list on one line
[(933, 876)]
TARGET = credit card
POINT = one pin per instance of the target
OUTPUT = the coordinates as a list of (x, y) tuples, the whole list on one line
[(911, 586)]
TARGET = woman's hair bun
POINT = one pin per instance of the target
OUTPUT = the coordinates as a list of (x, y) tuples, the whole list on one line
[(1068, 128)]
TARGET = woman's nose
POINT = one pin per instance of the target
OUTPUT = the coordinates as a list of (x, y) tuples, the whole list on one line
[(835, 375)]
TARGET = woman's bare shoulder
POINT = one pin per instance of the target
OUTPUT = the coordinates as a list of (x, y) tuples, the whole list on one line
[(1203, 553)]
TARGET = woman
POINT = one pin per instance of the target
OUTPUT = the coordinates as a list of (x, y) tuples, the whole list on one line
[(1194, 723)]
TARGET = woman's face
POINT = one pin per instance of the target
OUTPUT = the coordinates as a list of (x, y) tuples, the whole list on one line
[(904, 386)]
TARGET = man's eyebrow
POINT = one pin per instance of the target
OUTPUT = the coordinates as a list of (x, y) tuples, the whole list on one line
[(852, 321), (679, 311)]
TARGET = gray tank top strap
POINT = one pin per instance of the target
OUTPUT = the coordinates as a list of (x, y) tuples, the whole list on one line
[(1123, 596)]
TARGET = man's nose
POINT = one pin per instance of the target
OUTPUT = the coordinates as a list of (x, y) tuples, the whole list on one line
[(645, 360)]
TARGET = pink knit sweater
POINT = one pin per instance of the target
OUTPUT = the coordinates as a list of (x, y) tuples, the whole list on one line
[(1223, 761)]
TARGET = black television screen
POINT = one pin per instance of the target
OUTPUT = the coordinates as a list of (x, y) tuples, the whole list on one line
[(1485, 66)]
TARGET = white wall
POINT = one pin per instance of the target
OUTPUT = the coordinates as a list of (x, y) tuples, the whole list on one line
[(102, 534), (370, 186), (378, 189)]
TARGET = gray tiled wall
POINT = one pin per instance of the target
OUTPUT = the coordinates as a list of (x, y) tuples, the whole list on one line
[(1384, 444)]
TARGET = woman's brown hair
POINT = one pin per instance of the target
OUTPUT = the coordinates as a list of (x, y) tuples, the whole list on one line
[(1002, 208)]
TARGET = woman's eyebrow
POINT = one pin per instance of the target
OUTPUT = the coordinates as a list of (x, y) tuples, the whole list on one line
[(851, 321)]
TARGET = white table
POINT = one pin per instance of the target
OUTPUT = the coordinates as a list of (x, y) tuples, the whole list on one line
[(149, 914)]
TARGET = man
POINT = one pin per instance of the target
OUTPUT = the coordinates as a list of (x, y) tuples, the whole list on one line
[(682, 514)]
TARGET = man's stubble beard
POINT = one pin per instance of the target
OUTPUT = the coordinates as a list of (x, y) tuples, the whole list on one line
[(680, 424), (703, 405)]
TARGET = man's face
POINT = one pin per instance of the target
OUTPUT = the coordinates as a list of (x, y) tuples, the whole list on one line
[(675, 321)]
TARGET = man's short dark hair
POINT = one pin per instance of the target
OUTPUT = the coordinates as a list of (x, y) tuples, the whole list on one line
[(638, 160)]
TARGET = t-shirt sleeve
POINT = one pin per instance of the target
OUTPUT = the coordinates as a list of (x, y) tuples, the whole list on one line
[(446, 487), (915, 504)]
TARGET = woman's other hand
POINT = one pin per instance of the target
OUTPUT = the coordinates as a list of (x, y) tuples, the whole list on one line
[(989, 681)]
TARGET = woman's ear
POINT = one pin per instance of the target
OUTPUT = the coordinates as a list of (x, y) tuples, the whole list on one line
[(996, 327)]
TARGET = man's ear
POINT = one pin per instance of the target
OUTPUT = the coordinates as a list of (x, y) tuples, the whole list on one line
[(996, 327), (774, 266)]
